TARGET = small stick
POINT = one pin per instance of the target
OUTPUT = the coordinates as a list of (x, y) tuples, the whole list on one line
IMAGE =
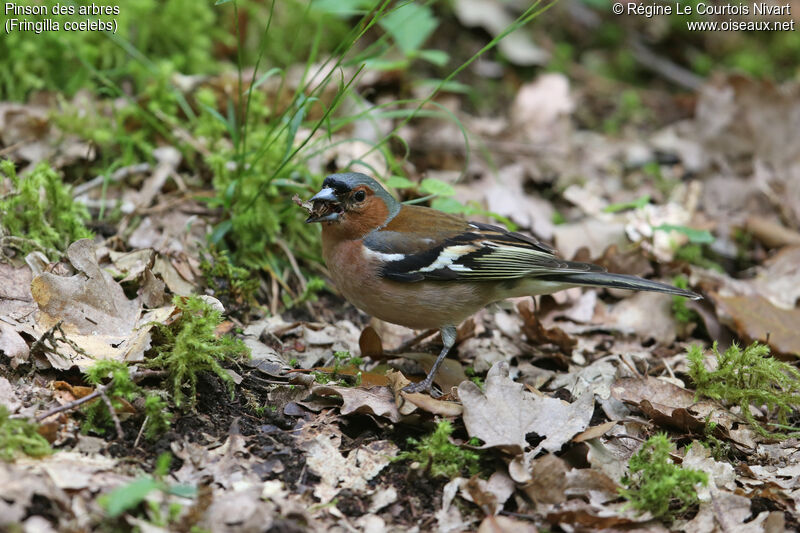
[(118, 175), (100, 392), (111, 411), (70, 405), (141, 430), (411, 342)]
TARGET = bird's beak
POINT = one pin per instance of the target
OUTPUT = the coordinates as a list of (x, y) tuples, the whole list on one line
[(325, 195), (326, 206)]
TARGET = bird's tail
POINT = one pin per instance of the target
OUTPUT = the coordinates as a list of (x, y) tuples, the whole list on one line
[(621, 281)]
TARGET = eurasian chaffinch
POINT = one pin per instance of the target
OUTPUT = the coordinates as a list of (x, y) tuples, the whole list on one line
[(421, 268)]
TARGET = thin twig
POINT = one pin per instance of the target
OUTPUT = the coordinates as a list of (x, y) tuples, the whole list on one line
[(665, 68), (118, 175), (111, 411), (411, 342), (625, 436), (141, 430), (293, 262), (274, 301), (11, 148), (630, 366), (669, 368), (98, 392), (69, 405)]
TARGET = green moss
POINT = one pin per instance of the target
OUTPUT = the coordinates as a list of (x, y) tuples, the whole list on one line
[(179, 31), (189, 346), (630, 108), (115, 376), (19, 436), (234, 286), (39, 211), (438, 456), (158, 416), (720, 450), (341, 361), (695, 253), (655, 484), (680, 310), (749, 377)]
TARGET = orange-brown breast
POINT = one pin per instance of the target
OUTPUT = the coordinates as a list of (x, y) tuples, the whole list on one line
[(417, 305)]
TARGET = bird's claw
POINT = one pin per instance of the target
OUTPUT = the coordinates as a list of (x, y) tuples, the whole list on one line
[(423, 386)]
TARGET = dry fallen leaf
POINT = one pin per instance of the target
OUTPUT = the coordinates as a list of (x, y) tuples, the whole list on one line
[(490, 495), (91, 302), (370, 345), (548, 480), (12, 345), (432, 405), (592, 485), (595, 432), (720, 473), (667, 404), (538, 334), (728, 512), (648, 314), (505, 524), (377, 401), (506, 413), (450, 373), (754, 318), (578, 513), (91, 308), (336, 471)]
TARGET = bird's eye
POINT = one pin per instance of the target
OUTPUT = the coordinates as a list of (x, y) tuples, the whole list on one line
[(359, 196)]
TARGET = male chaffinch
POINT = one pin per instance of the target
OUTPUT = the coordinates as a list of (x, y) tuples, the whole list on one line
[(423, 269)]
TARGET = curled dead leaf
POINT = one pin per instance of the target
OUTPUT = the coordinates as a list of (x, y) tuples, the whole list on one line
[(377, 401), (538, 334)]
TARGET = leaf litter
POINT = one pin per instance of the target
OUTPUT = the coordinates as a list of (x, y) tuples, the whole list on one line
[(556, 399)]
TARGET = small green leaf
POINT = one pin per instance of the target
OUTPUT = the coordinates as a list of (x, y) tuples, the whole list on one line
[(699, 236), (127, 497), (437, 187), (437, 57), (221, 230), (636, 204), (410, 25), (386, 64), (448, 204), (162, 464), (399, 182), (447, 86), (184, 491), (343, 8), (264, 77)]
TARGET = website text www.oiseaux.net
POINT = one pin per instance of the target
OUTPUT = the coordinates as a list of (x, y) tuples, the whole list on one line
[(755, 9)]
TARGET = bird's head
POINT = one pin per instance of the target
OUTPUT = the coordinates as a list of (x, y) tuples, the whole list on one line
[(355, 202)]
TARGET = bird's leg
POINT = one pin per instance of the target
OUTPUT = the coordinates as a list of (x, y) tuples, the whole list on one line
[(449, 339)]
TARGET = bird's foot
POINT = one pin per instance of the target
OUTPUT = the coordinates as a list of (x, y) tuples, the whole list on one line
[(426, 385)]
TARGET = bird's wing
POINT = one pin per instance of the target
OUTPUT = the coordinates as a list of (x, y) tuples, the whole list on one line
[(464, 251)]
